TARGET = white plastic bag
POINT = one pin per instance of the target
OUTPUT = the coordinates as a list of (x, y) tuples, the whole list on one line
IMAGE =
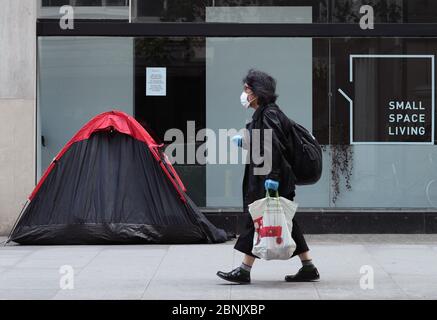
[(272, 217)]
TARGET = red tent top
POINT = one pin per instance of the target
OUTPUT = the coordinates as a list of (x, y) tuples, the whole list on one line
[(123, 123)]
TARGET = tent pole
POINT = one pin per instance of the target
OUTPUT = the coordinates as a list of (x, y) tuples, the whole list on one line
[(15, 224)]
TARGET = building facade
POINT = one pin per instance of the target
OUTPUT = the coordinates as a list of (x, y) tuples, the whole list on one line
[(367, 95)]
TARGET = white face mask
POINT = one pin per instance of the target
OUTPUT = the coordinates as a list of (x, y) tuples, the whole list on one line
[(243, 99)]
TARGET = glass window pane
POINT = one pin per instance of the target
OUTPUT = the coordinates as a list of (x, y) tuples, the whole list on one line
[(288, 60), (386, 11), (84, 3), (78, 79), (424, 11), (197, 10), (85, 9), (382, 121), (55, 3), (322, 11)]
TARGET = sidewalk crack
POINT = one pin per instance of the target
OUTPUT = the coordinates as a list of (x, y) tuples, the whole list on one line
[(387, 271), (80, 270), (156, 271)]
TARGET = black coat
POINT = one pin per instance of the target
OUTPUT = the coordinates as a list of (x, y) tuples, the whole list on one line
[(269, 116)]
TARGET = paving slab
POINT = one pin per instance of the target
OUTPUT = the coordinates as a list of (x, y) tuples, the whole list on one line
[(417, 286), (189, 272), (26, 294), (30, 279), (55, 257), (405, 259), (399, 266)]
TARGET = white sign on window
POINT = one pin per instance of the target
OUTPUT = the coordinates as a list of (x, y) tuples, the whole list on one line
[(156, 81)]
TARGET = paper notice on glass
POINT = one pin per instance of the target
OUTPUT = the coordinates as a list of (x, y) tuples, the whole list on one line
[(156, 81)]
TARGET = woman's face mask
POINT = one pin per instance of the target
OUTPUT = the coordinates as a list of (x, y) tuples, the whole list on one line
[(244, 98)]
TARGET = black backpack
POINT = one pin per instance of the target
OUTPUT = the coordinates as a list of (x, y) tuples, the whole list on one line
[(304, 154)]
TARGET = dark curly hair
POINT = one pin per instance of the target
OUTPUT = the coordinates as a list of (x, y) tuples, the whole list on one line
[(263, 86)]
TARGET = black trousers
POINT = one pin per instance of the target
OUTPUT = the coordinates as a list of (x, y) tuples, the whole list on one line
[(244, 242)]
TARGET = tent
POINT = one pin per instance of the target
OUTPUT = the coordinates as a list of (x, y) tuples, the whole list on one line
[(112, 184)]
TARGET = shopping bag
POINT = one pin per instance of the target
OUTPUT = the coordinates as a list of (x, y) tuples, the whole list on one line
[(272, 218)]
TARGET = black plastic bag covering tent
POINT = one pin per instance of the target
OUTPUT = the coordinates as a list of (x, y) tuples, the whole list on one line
[(112, 184)]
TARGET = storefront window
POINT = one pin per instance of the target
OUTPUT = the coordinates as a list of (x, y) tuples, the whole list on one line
[(370, 102), (322, 11), (382, 120)]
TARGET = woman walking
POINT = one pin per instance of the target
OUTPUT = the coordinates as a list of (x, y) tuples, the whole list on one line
[(259, 94)]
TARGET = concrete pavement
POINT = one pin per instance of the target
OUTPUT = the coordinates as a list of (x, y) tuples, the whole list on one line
[(403, 266)]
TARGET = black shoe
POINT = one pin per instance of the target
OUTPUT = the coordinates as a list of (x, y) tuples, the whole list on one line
[(304, 275), (237, 275)]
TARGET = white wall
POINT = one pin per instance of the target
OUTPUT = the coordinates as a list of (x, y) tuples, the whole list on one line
[(17, 107)]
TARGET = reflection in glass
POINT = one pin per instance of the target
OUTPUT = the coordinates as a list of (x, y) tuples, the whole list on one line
[(81, 76), (195, 10), (385, 11)]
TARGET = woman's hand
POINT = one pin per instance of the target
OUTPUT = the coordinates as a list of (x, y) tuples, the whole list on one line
[(270, 184), (238, 140)]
